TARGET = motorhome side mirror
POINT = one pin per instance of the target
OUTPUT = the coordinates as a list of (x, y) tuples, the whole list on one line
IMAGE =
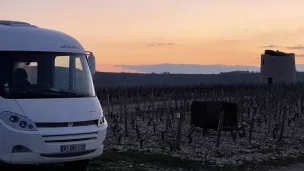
[(91, 62)]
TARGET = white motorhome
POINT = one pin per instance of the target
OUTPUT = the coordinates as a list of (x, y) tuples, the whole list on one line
[(49, 112)]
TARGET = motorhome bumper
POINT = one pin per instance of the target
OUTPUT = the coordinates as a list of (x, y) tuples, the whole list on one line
[(34, 158), (45, 145)]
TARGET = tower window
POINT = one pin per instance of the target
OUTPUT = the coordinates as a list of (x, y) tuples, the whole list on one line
[(270, 80)]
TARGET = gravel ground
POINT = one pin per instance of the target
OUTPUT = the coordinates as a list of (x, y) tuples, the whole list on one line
[(296, 167), (134, 161)]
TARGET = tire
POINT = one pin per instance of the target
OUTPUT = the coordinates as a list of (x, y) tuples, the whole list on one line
[(81, 165), (4, 166)]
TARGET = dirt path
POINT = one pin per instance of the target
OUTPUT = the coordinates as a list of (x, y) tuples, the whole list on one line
[(128, 161), (295, 167)]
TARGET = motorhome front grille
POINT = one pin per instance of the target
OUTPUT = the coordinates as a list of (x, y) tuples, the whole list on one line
[(68, 154), (66, 124), (70, 137)]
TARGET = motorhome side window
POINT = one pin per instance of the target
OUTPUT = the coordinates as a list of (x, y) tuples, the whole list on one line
[(62, 64), (74, 78), (45, 75)]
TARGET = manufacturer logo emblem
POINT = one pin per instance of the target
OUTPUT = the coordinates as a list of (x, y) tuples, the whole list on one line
[(69, 47), (70, 124)]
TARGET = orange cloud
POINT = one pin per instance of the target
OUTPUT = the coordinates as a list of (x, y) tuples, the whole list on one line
[(112, 68)]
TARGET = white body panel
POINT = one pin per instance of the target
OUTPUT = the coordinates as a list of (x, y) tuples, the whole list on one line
[(30, 38), (61, 109), (40, 146)]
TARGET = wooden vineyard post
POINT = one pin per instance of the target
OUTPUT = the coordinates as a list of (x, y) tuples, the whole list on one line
[(238, 104), (126, 121), (179, 130), (139, 107), (283, 116), (180, 116), (236, 91), (299, 107), (206, 95), (153, 107), (219, 128), (164, 101), (237, 101), (108, 105), (167, 112), (269, 113), (252, 125), (175, 102), (121, 110)]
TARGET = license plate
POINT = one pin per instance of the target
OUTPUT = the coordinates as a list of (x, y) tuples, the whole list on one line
[(72, 148)]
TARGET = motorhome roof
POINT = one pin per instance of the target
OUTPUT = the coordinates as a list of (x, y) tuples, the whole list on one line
[(22, 36)]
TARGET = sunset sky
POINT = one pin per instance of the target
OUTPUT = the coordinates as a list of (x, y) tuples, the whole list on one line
[(141, 32)]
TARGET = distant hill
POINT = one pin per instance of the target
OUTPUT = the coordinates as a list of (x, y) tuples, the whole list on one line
[(106, 79), (134, 79), (194, 68)]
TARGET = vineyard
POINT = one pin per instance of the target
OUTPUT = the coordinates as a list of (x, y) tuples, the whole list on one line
[(156, 119)]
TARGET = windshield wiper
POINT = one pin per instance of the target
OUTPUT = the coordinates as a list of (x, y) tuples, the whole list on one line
[(62, 92), (29, 93), (47, 93)]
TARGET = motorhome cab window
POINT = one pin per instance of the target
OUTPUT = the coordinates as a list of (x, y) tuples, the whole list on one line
[(44, 75)]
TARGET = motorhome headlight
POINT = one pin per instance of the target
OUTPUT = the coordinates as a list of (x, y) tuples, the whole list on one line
[(102, 120), (17, 121), (14, 119)]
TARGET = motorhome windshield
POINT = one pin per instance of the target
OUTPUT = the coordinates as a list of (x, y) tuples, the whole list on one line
[(44, 75)]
